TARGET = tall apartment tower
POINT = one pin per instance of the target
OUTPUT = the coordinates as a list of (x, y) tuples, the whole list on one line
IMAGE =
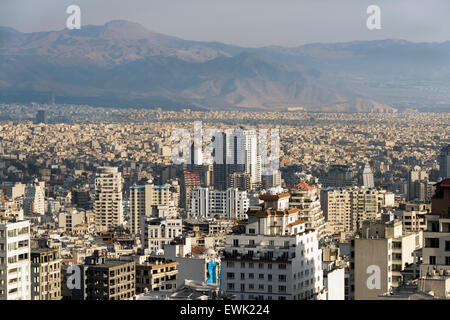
[(417, 184), (190, 181), (45, 274), (142, 200), (34, 201), (252, 159), (444, 162), (306, 198), (41, 116), (367, 177), (15, 269), (240, 154), (379, 252), (108, 198), (275, 258)]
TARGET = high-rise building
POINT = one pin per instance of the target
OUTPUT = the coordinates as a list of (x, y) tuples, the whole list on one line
[(306, 198), (15, 268), (418, 185), (108, 198), (41, 116), (367, 177), (190, 180), (346, 208), (239, 154), (379, 252), (34, 201), (275, 257), (45, 274), (143, 198), (444, 162)]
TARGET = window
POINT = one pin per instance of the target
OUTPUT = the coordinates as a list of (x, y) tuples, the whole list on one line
[(447, 245), (282, 278), (251, 231), (282, 266), (235, 243), (447, 261), (432, 259), (432, 242)]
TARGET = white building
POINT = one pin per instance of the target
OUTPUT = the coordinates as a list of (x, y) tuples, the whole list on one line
[(367, 177), (108, 198), (34, 200), (275, 258), (158, 232), (207, 203), (15, 272)]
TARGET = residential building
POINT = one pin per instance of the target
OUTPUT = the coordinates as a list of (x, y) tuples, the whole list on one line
[(15, 268), (45, 274), (208, 203), (156, 274), (275, 258), (379, 252), (108, 198), (306, 198)]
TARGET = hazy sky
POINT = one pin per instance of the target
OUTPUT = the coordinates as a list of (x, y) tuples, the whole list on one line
[(248, 23)]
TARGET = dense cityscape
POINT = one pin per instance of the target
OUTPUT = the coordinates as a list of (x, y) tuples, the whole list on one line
[(93, 207), (218, 159)]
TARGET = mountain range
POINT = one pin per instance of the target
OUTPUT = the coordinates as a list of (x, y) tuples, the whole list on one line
[(123, 64)]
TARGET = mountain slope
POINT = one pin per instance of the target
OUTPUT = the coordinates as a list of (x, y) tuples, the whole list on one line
[(124, 64)]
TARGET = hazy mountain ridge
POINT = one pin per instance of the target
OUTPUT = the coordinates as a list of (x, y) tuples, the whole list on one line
[(125, 62)]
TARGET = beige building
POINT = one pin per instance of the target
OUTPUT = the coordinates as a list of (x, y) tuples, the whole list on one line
[(69, 220), (346, 208), (45, 274), (143, 198), (108, 198), (414, 216), (306, 198), (380, 251)]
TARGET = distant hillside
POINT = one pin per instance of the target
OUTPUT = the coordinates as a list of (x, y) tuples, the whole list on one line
[(124, 64)]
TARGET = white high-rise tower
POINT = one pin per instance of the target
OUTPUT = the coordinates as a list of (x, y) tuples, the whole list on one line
[(367, 176)]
